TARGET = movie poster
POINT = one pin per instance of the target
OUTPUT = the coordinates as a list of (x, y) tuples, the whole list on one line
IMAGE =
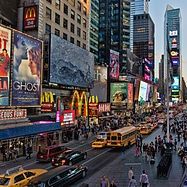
[(26, 83), (114, 65), (5, 47)]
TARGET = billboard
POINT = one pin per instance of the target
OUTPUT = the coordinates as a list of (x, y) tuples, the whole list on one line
[(118, 93), (30, 18), (142, 91), (130, 93), (175, 85), (70, 65), (114, 65), (5, 47), (26, 78)]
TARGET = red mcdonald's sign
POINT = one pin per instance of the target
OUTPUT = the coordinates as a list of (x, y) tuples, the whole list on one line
[(30, 17)]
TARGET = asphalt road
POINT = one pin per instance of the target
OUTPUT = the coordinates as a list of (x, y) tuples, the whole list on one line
[(100, 162)]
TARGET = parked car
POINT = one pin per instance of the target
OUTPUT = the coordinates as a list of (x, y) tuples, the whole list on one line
[(60, 177), (18, 176), (47, 153), (68, 158)]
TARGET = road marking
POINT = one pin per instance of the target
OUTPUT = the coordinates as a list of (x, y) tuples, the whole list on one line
[(133, 164), (26, 165), (96, 156), (89, 150)]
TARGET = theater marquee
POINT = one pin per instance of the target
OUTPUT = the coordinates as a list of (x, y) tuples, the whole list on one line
[(30, 18)]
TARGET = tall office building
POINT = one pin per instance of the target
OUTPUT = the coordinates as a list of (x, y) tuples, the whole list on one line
[(67, 19), (94, 29), (114, 31), (172, 50), (137, 7), (143, 43), (8, 13), (161, 77)]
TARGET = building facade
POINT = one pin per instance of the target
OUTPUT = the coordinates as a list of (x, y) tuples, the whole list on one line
[(172, 51), (114, 31), (143, 43), (161, 78), (94, 29), (137, 7)]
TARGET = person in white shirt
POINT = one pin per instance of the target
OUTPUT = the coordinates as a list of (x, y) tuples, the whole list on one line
[(130, 173), (144, 181)]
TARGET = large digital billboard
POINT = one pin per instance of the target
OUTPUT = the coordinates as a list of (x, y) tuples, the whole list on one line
[(5, 47), (118, 93), (70, 65), (114, 64), (142, 91), (175, 85), (130, 93), (26, 78)]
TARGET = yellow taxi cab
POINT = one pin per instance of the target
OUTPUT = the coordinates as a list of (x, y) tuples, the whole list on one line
[(146, 129), (19, 177), (99, 143)]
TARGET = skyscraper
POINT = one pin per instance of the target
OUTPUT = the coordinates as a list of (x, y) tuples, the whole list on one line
[(172, 50), (114, 31), (143, 43), (94, 29), (137, 7)]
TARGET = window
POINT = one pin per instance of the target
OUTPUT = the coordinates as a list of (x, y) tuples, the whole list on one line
[(47, 28), (19, 178), (72, 40), (84, 35), (78, 19), (65, 36), (72, 2), (48, 13), (50, 1), (72, 14), (78, 43), (29, 174), (84, 46), (65, 9), (84, 23), (84, 10), (79, 5), (72, 28), (57, 18), (57, 4), (78, 31), (57, 32), (65, 23)]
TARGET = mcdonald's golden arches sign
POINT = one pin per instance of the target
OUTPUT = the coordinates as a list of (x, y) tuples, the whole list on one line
[(30, 17)]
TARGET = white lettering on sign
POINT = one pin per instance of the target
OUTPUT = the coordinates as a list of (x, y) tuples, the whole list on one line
[(173, 33), (13, 114), (104, 107)]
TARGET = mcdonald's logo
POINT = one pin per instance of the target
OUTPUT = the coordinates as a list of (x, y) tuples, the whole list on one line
[(30, 17), (80, 103), (47, 102)]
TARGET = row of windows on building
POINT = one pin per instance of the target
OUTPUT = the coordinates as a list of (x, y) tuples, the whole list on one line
[(80, 7), (65, 36), (57, 17)]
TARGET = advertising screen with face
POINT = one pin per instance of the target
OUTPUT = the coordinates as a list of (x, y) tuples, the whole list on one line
[(175, 85), (26, 83), (118, 93), (142, 91), (5, 46), (114, 64)]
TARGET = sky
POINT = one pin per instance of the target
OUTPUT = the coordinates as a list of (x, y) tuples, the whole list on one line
[(157, 10)]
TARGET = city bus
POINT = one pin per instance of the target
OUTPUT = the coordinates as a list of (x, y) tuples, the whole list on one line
[(125, 136)]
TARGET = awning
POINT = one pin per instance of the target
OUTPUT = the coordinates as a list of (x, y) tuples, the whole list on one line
[(28, 130)]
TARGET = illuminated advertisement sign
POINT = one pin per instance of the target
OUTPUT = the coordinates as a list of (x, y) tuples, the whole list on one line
[(13, 114), (47, 102), (174, 53), (30, 18), (130, 93), (67, 117), (118, 93), (104, 107), (173, 33), (114, 64), (5, 46), (142, 91), (175, 85), (175, 61), (174, 43), (148, 92), (70, 65), (26, 79)]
